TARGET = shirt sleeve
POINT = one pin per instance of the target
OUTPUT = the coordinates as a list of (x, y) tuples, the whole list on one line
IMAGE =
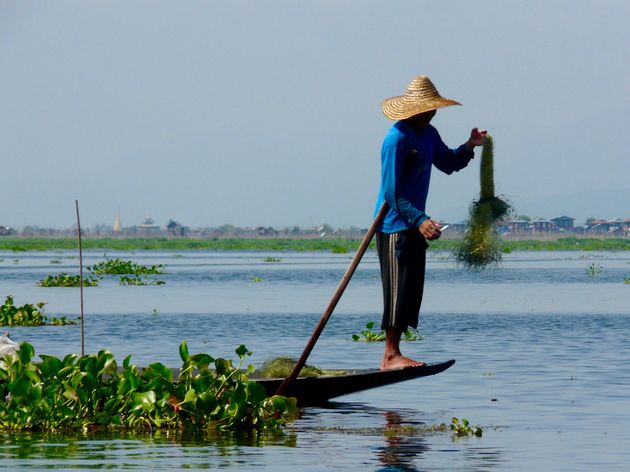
[(393, 162), (450, 160)]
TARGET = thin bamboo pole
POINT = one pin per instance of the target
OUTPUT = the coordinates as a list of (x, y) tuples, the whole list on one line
[(80, 276), (286, 383)]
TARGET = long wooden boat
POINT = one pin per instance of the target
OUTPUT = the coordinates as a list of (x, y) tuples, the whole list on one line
[(311, 391)]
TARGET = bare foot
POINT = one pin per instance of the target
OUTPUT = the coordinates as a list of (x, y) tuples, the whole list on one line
[(397, 361)]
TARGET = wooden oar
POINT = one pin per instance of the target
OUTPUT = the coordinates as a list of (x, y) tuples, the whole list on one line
[(334, 300)]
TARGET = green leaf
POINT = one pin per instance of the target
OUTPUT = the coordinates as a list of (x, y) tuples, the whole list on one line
[(202, 383), (190, 397), (190, 401), (162, 370), (242, 351), (26, 352), (207, 402), (71, 394), (50, 365), (20, 386), (240, 395), (143, 400), (183, 352), (256, 392), (279, 403), (291, 406), (202, 359), (111, 404), (223, 366)]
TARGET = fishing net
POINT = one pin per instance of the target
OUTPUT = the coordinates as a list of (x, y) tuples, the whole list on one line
[(281, 367), (481, 244)]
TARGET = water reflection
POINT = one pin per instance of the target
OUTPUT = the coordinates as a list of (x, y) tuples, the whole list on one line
[(400, 448), (120, 449)]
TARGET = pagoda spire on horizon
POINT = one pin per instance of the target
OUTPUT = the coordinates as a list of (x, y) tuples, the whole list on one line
[(117, 224)]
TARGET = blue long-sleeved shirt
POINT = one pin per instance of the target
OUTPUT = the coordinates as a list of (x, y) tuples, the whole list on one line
[(406, 159)]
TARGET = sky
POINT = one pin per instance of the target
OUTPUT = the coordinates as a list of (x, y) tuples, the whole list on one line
[(268, 112)]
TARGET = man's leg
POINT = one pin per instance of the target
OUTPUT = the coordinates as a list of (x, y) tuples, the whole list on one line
[(402, 259), (392, 357)]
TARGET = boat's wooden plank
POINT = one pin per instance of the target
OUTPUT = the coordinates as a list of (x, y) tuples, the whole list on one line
[(318, 390)]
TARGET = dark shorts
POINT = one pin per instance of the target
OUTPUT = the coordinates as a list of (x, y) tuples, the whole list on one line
[(402, 257)]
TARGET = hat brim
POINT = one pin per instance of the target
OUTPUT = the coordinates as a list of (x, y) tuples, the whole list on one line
[(402, 107)]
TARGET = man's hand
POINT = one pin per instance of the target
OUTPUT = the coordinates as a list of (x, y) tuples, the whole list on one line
[(477, 138), (430, 230)]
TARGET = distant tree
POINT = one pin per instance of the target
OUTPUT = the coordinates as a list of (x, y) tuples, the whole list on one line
[(523, 218), (590, 220), (225, 230), (325, 229)]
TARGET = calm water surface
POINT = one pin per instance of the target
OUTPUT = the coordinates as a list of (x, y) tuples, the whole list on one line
[(542, 360)]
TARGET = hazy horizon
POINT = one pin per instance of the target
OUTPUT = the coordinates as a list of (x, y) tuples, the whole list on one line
[(268, 113)]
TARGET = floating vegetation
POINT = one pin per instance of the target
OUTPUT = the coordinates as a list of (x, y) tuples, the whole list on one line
[(481, 244), (121, 266), (398, 430), (28, 315), (594, 270), (412, 335), (67, 280), (255, 279), (90, 392), (464, 428), (297, 244), (281, 367), (137, 280), (55, 261), (339, 249), (455, 427), (627, 279), (272, 259), (369, 336)]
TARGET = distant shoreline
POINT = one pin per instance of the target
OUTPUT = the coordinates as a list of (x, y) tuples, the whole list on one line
[(333, 245)]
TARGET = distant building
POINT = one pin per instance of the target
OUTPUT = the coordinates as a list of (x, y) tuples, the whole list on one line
[(600, 227), (563, 223), (540, 225), (617, 227), (269, 231), (6, 231), (518, 226), (148, 226)]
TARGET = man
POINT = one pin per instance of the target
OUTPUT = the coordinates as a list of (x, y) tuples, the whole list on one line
[(410, 148)]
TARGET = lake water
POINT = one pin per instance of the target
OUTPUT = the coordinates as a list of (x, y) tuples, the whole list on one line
[(542, 356)]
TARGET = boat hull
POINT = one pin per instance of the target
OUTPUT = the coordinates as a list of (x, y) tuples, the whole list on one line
[(311, 391)]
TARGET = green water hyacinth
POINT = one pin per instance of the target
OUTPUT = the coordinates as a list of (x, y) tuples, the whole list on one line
[(137, 280), (28, 315), (92, 392), (124, 267), (67, 280), (369, 336)]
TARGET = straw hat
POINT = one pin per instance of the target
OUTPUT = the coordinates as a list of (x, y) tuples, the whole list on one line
[(420, 96)]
